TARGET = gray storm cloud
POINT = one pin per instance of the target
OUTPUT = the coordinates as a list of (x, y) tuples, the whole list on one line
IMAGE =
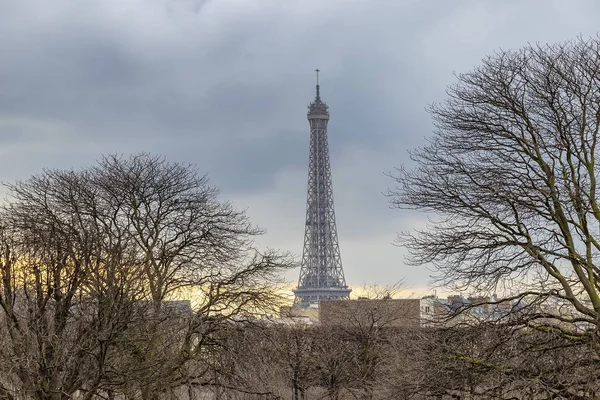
[(225, 85)]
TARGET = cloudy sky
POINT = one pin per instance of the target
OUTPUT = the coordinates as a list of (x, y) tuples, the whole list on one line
[(225, 84)]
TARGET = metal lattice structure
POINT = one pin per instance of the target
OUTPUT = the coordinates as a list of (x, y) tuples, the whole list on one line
[(321, 273)]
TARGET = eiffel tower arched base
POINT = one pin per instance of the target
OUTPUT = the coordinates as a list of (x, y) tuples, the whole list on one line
[(310, 297)]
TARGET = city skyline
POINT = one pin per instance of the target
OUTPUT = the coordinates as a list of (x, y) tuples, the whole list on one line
[(224, 85)]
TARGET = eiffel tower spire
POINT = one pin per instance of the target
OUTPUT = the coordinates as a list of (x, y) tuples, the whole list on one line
[(321, 273)]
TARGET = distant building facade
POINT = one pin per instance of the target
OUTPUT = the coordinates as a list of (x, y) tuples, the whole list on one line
[(429, 311), (404, 313)]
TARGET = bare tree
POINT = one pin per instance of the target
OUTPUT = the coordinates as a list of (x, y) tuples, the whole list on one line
[(89, 263), (68, 292), (293, 348), (361, 361), (510, 176), (491, 361)]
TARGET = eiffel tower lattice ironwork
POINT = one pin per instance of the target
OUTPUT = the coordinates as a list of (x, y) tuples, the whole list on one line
[(321, 273)]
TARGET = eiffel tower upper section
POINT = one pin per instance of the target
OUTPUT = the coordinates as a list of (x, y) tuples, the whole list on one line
[(321, 273)]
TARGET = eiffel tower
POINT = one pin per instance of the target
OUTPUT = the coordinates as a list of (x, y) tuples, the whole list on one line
[(321, 273)]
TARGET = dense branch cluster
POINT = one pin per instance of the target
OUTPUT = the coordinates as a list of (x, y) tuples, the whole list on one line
[(511, 175), (92, 263), (367, 361)]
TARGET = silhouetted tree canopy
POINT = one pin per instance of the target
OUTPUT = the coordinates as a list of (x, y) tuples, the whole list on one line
[(510, 180), (92, 263)]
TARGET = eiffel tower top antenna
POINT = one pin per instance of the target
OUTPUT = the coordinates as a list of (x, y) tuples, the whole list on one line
[(318, 95)]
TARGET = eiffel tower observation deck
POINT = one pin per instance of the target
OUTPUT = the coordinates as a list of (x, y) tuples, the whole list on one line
[(321, 273)]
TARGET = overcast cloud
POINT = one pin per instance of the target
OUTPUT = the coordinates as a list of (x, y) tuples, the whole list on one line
[(225, 84)]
